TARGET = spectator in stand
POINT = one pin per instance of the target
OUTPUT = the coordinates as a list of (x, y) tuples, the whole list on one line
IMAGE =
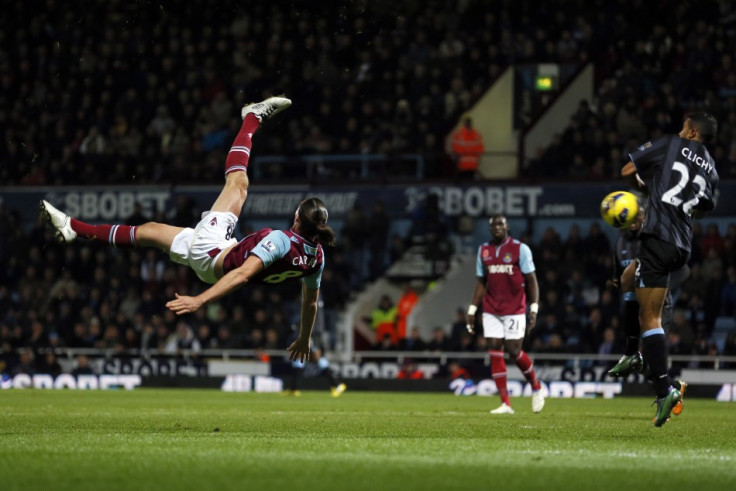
[(467, 146), (226, 340), (712, 297), (456, 370), (728, 293), (82, 366), (386, 344), (38, 339), (379, 225), (467, 343), (458, 329), (729, 252), (554, 344), (26, 362), (413, 342), (78, 338), (49, 365), (256, 339), (729, 349), (131, 339), (409, 370), (712, 240), (703, 347), (574, 241), (383, 320), (609, 344), (439, 341), (334, 294), (6, 339), (676, 347), (407, 301), (396, 248), (354, 236), (185, 340), (712, 263), (271, 339)]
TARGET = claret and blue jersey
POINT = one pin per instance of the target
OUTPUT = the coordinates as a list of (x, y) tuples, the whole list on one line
[(286, 256), (503, 267)]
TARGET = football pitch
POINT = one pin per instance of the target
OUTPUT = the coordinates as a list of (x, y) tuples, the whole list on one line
[(206, 439)]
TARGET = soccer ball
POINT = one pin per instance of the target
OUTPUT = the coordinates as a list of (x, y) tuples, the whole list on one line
[(619, 209)]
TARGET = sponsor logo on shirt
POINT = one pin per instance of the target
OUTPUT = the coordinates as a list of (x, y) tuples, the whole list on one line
[(501, 269), (645, 146)]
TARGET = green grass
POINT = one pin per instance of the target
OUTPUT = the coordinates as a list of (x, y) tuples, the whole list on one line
[(206, 439)]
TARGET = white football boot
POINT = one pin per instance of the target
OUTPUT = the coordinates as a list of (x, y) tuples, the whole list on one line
[(503, 409), (60, 221), (266, 109), (537, 401)]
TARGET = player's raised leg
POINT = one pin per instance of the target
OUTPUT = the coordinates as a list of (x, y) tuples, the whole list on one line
[(151, 234), (233, 194)]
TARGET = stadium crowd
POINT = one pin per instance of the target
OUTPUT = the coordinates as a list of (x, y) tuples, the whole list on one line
[(153, 97), (53, 296)]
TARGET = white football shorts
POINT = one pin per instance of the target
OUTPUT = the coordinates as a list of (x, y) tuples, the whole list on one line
[(504, 326), (200, 247)]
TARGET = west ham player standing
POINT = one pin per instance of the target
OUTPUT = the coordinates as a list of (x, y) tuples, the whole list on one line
[(680, 178), (506, 279), (266, 256)]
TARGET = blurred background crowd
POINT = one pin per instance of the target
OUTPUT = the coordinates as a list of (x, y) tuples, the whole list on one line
[(131, 92), (89, 296), (111, 92)]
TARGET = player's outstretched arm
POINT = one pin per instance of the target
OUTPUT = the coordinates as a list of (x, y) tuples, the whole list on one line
[(300, 349), (183, 304)]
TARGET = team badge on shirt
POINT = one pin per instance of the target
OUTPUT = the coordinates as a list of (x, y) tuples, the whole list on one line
[(507, 258)]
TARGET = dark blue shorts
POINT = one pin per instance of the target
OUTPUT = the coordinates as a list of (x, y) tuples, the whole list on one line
[(656, 261)]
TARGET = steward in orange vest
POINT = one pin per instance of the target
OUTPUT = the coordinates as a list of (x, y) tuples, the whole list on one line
[(467, 143)]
